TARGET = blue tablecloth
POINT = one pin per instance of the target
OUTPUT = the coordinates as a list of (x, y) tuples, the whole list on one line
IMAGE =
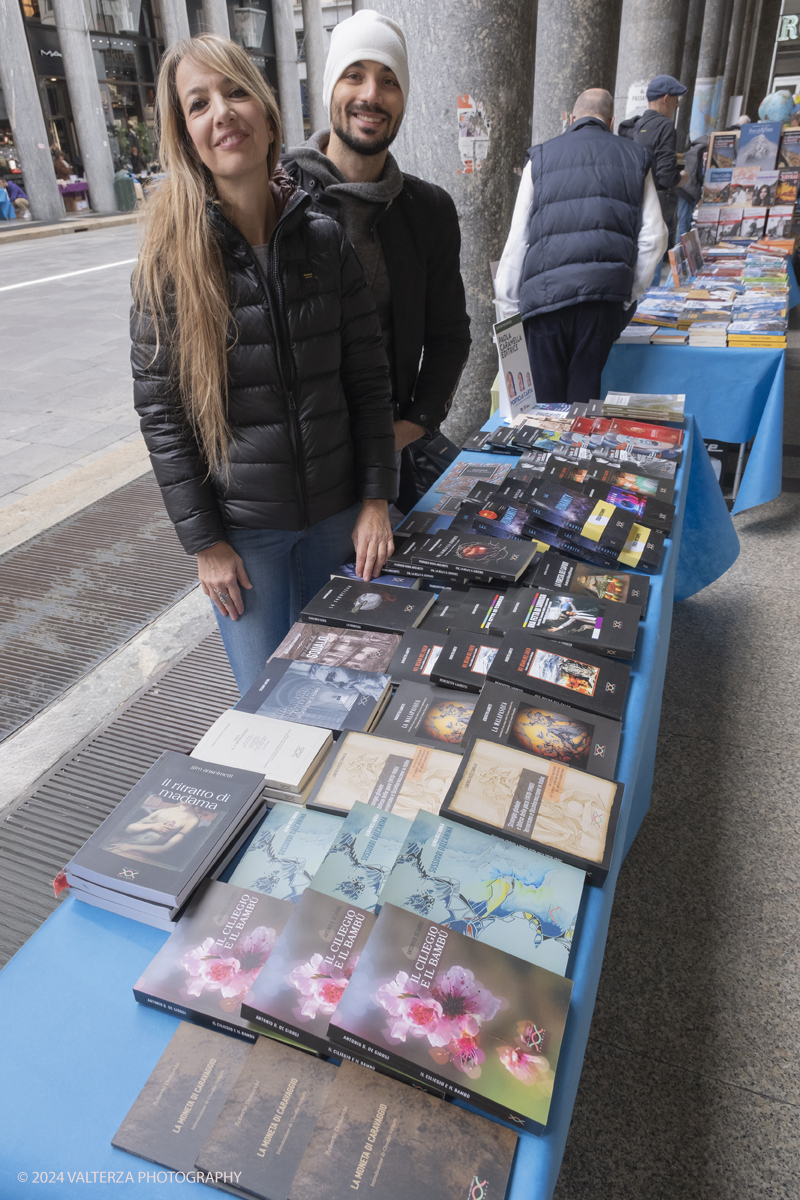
[(794, 290), (78, 1048), (734, 394)]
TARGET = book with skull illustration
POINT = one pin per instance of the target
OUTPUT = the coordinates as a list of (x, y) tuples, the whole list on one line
[(385, 773), (488, 888), (358, 605), (569, 814), (575, 677), (313, 959), (312, 693), (484, 1025)]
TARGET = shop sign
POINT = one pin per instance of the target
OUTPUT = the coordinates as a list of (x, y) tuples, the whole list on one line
[(46, 52)]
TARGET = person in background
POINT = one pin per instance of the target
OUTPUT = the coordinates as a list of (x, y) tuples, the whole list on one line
[(18, 199), (655, 129), (404, 230), (62, 168), (586, 236)]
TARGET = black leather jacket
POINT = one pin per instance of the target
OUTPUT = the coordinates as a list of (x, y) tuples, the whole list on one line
[(308, 383)]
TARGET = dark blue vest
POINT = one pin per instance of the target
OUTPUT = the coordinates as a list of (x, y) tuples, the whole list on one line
[(583, 228)]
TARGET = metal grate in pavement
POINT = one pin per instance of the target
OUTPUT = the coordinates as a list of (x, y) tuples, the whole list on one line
[(73, 594), (43, 833)]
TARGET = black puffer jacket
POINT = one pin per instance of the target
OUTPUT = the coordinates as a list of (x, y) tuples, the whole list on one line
[(309, 395)]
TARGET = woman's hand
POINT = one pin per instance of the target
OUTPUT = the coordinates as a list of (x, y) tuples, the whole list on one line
[(221, 573), (372, 538)]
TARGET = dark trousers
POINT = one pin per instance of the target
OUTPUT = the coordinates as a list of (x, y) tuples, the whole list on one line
[(568, 349)]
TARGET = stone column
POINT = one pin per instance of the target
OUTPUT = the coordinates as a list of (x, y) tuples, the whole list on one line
[(175, 21), (576, 48), (691, 52), (765, 34), (745, 46), (651, 41), (482, 51), (288, 79), (21, 97), (731, 63), (314, 42), (714, 26), (87, 109), (215, 18)]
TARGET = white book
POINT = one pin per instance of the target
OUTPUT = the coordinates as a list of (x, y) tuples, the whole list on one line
[(284, 752)]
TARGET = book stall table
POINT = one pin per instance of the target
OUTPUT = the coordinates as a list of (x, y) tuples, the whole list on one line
[(78, 1048)]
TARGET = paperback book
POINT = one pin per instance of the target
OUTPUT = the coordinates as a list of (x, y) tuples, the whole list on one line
[(485, 558), (359, 605), (717, 186), (789, 150), (483, 1024), (465, 660), (489, 889), (179, 1104), (401, 1142), (206, 967), (634, 481), (567, 507), (479, 610), (360, 859), (442, 616), (285, 753), (315, 694), (722, 149), (286, 852), (416, 656), (427, 716), (758, 145), (267, 1120), (385, 773), (545, 728), (556, 571), (330, 646), (556, 809), (461, 477), (174, 823), (348, 571), (583, 680), (584, 622), (653, 513)]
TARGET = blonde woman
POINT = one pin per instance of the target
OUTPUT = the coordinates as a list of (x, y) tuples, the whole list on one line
[(259, 375)]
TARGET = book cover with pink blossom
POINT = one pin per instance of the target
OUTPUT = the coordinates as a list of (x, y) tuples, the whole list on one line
[(207, 966), (457, 1013)]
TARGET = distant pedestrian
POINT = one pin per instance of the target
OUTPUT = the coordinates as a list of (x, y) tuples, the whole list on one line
[(62, 168), (18, 199), (655, 129), (586, 236)]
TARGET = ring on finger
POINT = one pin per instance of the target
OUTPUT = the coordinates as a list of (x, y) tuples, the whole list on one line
[(224, 597)]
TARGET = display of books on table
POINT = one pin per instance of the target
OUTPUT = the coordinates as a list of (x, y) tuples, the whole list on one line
[(355, 604), (315, 694)]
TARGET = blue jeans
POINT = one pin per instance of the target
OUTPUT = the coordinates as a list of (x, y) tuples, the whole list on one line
[(685, 210), (286, 569)]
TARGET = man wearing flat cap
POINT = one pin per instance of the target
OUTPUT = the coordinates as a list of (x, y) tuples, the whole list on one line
[(655, 129), (404, 230)]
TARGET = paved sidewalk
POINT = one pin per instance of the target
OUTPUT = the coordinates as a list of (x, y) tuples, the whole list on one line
[(27, 231)]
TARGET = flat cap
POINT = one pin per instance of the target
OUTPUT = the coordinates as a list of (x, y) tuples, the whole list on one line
[(664, 85)]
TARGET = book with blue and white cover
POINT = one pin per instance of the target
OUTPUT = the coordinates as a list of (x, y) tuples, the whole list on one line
[(286, 852), (359, 861)]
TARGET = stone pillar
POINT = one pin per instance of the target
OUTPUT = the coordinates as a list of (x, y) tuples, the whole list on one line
[(731, 59), (745, 47), (215, 18), (714, 26), (576, 48), (765, 34), (21, 97), (314, 42), (651, 41), (84, 96), (482, 51), (175, 21), (288, 79), (691, 51)]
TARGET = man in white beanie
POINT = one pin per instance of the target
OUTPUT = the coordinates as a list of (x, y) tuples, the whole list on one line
[(405, 231)]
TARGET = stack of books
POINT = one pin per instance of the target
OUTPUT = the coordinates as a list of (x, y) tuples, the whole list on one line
[(643, 406), (658, 308), (709, 333), (665, 336), (635, 335), (763, 332)]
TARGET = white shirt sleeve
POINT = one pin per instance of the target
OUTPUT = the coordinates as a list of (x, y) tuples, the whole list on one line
[(509, 272), (653, 239)]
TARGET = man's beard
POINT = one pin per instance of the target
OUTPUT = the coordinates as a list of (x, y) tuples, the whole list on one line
[(354, 142)]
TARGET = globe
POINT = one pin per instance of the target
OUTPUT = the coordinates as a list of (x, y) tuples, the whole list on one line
[(778, 106), (552, 735), (448, 720)]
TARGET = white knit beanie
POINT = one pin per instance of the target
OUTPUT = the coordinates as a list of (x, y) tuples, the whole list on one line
[(367, 34)]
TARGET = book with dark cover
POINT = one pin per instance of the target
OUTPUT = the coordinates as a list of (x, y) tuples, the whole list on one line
[(477, 441), (501, 441), (178, 1106), (406, 560), (722, 150), (459, 479), (367, 606), (556, 571), (465, 660), (348, 571), (172, 824), (575, 677), (546, 728), (570, 543), (206, 967), (500, 520), (486, 558), (385, 773), (416, 655), (286, 852), (314, 694), (487, 888), (567, 507), (479, 610), (484, 1024), (442, 617), (415, 523), (483, 491), (427, 716), (579, 621), (641, 482), (268, 1118), (536, 802), (650, 463), (401, 1143), (331, 646), (647, 511), (643, 549)]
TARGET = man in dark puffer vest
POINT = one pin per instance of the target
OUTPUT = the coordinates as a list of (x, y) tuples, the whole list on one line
[(586, 237)]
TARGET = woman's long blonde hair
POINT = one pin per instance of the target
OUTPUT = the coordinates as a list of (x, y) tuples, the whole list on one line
[(180, 277)]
